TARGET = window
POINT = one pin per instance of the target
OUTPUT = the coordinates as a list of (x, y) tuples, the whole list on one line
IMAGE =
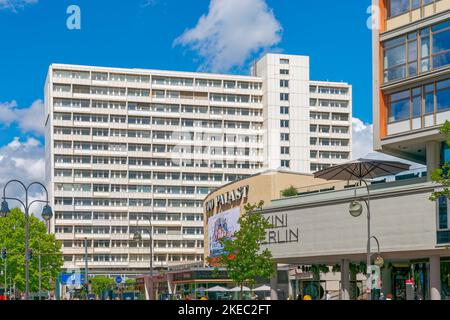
[(284, 150), (429, 99), (285, 163), (441, 44), (284, 71), (397, 7), (417, 102), (284, 61), (443, 214), (284, 136), (436, 98), (284, 110), (395, 59), (399, 109), (284, 96), (284, 123), (403, 54), (284, 83), (442, 95)]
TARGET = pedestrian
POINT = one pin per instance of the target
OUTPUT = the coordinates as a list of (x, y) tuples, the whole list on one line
[(389, 296), (299, 297), (382, 297), (327, 295)]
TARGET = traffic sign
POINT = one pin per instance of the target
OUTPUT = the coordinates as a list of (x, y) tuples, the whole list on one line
[(72, 278), (118, 279)]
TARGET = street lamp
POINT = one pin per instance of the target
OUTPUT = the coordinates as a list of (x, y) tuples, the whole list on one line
[(46, 212), (138, 237), (361, 170), (355, 208)]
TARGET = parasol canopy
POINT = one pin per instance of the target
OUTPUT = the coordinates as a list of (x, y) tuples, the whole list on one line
[(362, 169)]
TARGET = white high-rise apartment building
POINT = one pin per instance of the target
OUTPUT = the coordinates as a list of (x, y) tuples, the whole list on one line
[(126, 146), (330, 124)]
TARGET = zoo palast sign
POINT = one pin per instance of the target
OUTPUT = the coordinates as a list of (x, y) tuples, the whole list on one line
[(227, 197)]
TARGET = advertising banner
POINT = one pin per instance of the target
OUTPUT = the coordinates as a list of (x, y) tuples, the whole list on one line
[(221, 225)]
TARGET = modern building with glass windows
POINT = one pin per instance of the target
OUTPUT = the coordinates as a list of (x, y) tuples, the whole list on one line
[(411, 59), (132, 150)]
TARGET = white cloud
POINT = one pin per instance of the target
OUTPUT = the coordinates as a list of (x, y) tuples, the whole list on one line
[(362, 138), (13, 5), (23, 161), (29, 119), (231, 32)]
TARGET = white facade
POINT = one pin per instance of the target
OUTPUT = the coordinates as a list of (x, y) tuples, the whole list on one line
[(286, 110), (127, 145), (330, 124)]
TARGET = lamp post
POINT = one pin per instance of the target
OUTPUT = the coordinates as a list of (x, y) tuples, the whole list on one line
[(360, 170), (46, 212), (138, 237), (46, 215), (355, 210)]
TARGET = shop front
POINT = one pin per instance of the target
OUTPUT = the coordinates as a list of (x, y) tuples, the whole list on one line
[(317, 230)]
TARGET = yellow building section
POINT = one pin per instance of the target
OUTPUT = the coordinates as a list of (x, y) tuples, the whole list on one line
[(265, 186)]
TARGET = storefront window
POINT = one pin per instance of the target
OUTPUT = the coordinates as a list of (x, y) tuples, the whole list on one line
[(445, 280)]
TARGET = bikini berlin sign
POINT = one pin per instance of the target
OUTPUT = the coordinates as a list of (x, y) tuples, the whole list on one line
[(280, 232)]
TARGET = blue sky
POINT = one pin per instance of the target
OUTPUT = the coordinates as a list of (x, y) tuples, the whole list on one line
[(140, 33), (213, 35)]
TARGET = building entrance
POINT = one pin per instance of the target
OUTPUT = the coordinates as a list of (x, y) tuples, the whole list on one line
[(410, 281)]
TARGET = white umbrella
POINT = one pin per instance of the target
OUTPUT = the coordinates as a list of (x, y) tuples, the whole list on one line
[(238, 289), (217, 289), (262, 288)]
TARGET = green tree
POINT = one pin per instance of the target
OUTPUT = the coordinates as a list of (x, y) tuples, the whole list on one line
[(100, 284), (242, 255), (12, 237), (290, 192), (442, 175)]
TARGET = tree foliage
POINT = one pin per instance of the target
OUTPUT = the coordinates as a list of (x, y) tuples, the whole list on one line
[(290, 192), (242, 257), (12, 237), (101, 283), (442, 175)]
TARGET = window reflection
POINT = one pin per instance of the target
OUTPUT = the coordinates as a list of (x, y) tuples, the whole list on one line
[(403, 54), (419, 101)]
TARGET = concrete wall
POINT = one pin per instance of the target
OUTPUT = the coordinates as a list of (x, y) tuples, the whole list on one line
[(402, 220)]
